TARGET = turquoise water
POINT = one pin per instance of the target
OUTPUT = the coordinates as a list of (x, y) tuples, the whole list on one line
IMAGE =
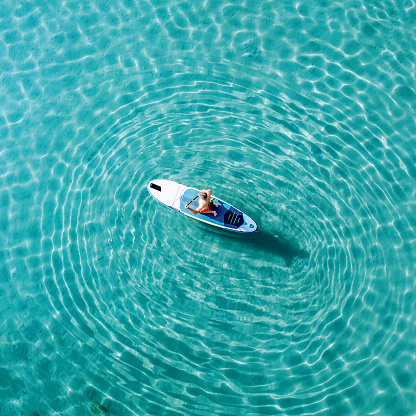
[(301, 114)]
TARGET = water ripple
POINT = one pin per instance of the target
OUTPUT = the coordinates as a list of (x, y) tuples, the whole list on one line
[(301, 115)]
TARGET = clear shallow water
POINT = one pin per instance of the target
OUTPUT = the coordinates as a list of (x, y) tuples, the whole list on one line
[(300, 114)]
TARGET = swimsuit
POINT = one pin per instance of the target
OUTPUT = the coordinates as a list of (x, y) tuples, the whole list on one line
[(206, 209)]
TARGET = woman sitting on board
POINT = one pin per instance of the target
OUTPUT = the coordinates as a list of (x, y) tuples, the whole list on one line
[(204, 204)]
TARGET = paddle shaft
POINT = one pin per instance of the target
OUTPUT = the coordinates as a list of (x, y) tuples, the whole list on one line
[(189, 203)]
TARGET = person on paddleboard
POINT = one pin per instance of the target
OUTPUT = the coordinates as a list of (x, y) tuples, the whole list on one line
[(204, 204)]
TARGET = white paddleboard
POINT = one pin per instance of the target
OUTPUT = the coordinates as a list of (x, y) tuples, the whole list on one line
[(175, 195)]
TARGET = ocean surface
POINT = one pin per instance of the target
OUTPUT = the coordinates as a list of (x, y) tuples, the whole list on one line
[(300, 113)]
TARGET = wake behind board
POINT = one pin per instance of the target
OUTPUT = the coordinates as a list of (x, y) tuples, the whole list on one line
[(175, 195)]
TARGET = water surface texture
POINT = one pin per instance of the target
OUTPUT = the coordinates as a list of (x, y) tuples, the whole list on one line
[(301, 114)]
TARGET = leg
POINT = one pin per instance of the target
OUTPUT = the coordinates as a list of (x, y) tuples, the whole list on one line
[(208, 211)]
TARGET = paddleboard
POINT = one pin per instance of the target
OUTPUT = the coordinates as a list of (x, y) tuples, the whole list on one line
[(175, 195)]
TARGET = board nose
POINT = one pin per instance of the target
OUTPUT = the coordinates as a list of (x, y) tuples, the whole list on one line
[(157, 187)]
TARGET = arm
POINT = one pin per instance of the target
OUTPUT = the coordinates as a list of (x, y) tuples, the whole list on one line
[(194, 211)]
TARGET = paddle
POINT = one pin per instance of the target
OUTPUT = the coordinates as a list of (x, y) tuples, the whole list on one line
[(189, 203)]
